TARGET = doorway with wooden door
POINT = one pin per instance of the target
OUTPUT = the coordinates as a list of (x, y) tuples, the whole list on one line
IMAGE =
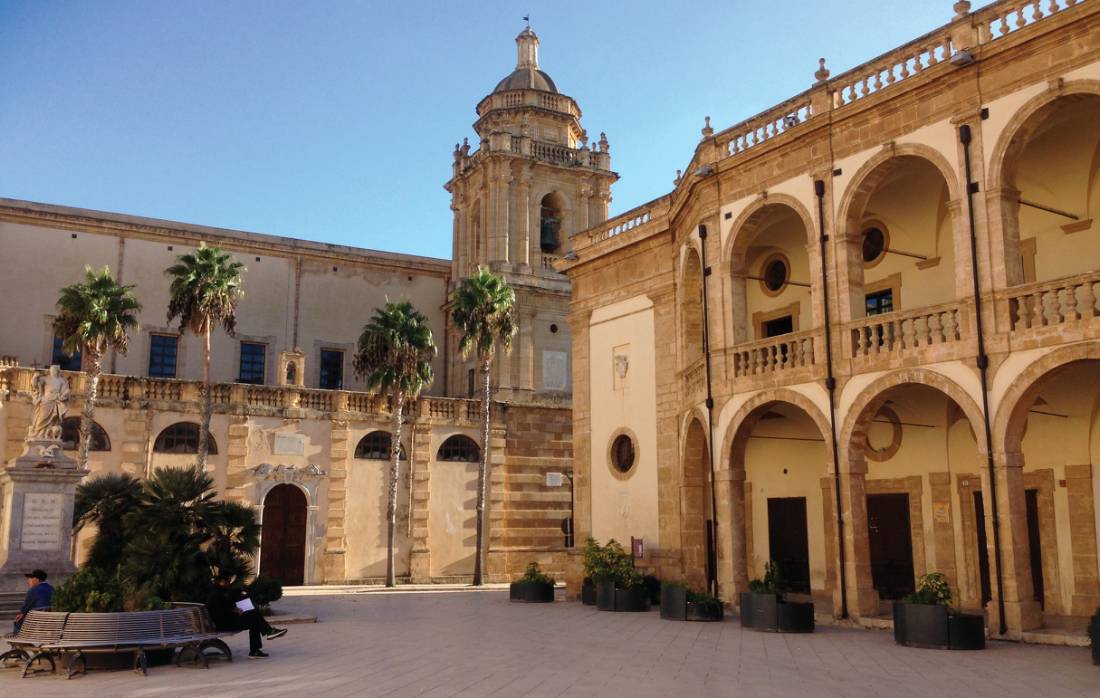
[(283, 535), (891, 545), (788, 542)]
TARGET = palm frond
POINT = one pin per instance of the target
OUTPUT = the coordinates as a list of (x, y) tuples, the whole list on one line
[(96, 314), (395, 351)]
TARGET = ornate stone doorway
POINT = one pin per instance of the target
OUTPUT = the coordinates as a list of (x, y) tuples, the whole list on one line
[(283, 541)]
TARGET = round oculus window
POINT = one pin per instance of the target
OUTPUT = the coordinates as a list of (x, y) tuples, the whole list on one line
[(776, 274), (622, 453), (874, 244)]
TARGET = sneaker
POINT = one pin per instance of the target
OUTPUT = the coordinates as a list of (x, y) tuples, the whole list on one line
[(276, 632), (259, 654)]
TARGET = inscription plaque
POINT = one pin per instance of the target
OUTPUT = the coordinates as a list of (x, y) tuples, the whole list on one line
[(41, 521)]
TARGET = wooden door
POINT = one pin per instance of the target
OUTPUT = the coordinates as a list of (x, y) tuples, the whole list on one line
[(788, 542), (283, 538), (891, 545)]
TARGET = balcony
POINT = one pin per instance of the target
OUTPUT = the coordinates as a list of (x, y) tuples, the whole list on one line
[(1052, 312), (910, 337)]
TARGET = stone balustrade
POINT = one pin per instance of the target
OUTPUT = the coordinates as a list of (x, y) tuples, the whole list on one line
[(554, 153), (514, 99), (184, 396), (764, 126), (907, 332), (1054, 303), (623, 223), (774, 354), (1002, 18), (548, 262)]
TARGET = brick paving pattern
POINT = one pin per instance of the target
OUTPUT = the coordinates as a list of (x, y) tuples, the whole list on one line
[(478, 644)]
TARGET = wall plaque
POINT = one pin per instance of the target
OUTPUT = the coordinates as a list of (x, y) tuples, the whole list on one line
[(289, 445), (41, 521), (554, 370)]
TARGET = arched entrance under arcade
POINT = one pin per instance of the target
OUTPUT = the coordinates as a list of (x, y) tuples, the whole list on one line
[(283, 534), (904, 240), (1049, 430), (913, 491), (696, 518), (778, 506)]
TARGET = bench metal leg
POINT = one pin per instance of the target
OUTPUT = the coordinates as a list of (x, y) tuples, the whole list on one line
[(74, 659), (141, 664), (14, 654), (219, 646), (194, 653), (38, 657)]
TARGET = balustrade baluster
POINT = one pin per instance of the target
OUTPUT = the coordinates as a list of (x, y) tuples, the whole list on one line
[(920, 329), (1067, 304), (1051, 315)]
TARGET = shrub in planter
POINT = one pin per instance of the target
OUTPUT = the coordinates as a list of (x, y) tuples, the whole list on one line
[(702, 606), (533, 587), (618, 586), (680, 603), (926, 619), (764, 608), (1094, 636), (588, 592), (631, 593)]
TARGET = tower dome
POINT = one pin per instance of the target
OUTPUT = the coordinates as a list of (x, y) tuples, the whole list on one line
[(527, 75)]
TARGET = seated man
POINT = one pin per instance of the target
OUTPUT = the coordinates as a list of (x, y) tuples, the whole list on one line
[(39, 596), (226, 612)]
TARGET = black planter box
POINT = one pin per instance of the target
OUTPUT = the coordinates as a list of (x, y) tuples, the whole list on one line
[(673, 602), (765, 612), (930, 626), (635, 599), (588, 594), (531, 592), (1095, 632), (704, 612), (605, 595)]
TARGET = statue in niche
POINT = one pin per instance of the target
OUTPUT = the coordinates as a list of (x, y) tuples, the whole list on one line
[(291, 373), (50, 395)]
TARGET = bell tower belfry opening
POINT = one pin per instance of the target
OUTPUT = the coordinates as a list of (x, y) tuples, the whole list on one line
[(533, 181)]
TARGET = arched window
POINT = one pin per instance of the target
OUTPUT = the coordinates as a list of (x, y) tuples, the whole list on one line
[(376, 446), (459, 449), (550, 223), (182, 437), (70, 436)]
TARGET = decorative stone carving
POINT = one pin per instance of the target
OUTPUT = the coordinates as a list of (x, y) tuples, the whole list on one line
[(288, 473)]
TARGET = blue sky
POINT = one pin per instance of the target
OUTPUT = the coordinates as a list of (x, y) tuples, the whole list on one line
[(335, 121)]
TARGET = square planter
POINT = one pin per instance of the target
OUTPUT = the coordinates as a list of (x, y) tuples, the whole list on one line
[(920, 625), (797, 617), (605, 594), (966, 631), (673, 602), (704, 612), (531, 592), (635, 599), (765, 612), (588, 593)]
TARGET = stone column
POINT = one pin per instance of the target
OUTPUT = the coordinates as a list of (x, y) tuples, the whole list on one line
[(732, 560), (1082, 530), (584, 197), (863, 600), (1022, 612), (943, 529), (333, 566), (521, 245), (420, 482), (1002, 207)]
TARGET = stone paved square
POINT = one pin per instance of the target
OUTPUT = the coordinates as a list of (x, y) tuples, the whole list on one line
[(479, 644)]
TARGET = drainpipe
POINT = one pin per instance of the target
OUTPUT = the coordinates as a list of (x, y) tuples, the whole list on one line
[(712, 582), (830, 387), (983, 372)]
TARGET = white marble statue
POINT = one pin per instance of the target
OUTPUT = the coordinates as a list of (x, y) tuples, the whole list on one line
[(50, 395)]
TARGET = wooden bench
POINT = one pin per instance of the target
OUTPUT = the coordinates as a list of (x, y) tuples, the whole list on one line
[(46, 635)]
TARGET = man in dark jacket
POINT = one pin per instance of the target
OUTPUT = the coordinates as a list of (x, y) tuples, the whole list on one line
[(39, 596), (225, 609)]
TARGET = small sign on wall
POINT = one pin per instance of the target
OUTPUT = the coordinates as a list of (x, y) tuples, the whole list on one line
[(289, 445), (554, 370), (553, 479), (637, 547)]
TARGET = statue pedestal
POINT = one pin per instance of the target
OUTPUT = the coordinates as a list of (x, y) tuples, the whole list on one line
[(36, 514)]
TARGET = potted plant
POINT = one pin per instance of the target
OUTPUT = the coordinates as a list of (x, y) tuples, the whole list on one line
[(926, 619), (1094, 636), (534, 586), (764, 606), (680, 603), (618, 586), (593, 569)]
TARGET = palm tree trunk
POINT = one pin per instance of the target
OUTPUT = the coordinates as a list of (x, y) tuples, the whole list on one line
[(482, 472), (88, 414), (395, 475), (204, 430)]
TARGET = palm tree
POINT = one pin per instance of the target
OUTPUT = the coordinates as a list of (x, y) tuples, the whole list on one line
[(205, 290), (105, 502), (394, 354), (94, 316), (484, 311)]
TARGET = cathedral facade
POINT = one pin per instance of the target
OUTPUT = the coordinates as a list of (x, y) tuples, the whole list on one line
[(860, 337), (294, 433)]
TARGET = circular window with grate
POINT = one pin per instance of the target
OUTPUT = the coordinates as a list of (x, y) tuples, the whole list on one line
[(874, 245), (775, 274), (622, 454)]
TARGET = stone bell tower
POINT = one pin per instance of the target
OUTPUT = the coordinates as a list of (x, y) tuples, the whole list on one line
[(533, 181)]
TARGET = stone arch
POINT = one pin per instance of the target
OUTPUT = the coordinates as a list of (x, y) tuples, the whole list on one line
[(866, 404), (745, 225), (746, 416), (1011, 415), (1011, 141), (871, 173)]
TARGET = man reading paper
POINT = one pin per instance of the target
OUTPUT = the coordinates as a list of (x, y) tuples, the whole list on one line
[(232, 609)]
